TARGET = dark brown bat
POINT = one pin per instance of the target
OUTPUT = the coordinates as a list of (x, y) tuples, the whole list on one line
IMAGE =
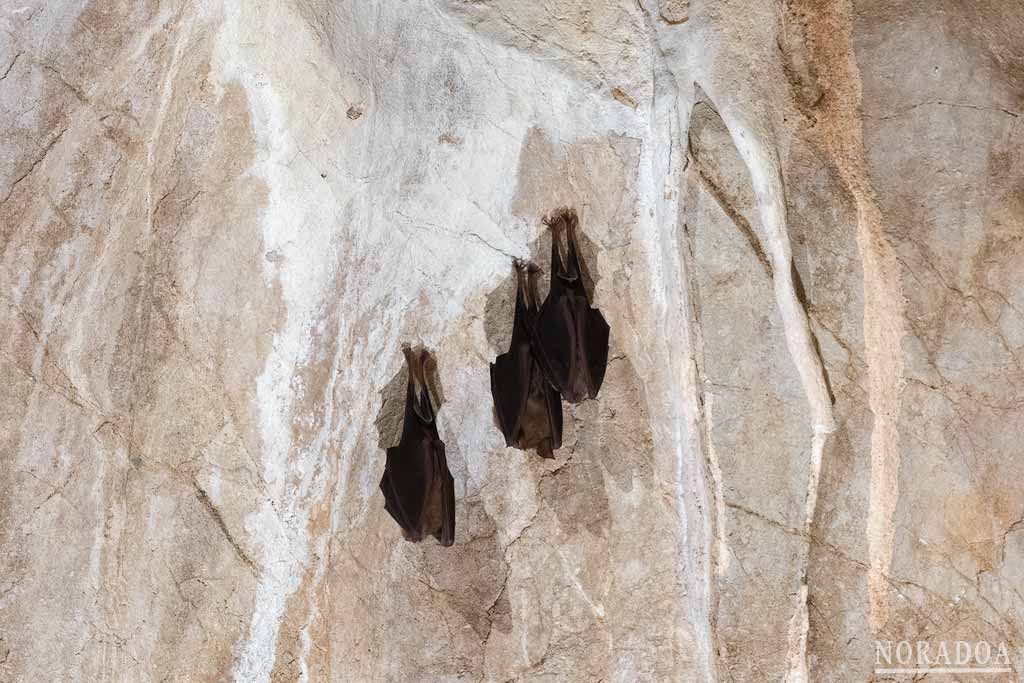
[(528, 408), (570, 338), (419, 491)]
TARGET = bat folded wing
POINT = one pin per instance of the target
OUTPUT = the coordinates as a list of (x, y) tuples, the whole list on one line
[(554, 339), (541, 421), (510, 386), (419, 491), (572, 346), (402, 500), (446, 534), (595, 349)]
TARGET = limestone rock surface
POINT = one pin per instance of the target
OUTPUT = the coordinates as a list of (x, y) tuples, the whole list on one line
[(219, 221)]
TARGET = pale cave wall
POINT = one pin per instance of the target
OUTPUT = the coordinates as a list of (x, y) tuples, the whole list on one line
[(804, 222)]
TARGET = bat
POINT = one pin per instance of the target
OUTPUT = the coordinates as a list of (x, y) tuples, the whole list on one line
[(527, 407), (419, 492), (570, 338)]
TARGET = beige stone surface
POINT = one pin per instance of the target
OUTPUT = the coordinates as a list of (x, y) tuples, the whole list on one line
[(803, 221)]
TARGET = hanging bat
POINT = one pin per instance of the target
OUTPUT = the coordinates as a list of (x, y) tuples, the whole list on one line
[(570, 338), (528, 408), (419, 492)]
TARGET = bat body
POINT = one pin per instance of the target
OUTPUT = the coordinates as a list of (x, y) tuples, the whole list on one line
[(528, 408), (570, 338), (419, 492)]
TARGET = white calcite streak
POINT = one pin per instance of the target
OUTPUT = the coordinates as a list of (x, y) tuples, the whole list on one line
[(278, 528)]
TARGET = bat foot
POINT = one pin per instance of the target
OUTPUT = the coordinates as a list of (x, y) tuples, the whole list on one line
[(560, 218), (409, 351), (562, 223)]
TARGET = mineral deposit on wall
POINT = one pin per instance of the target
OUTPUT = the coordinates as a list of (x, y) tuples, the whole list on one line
[(219, 221)]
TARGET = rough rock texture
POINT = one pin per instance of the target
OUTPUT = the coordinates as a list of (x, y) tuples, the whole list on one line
[(804, 222)]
